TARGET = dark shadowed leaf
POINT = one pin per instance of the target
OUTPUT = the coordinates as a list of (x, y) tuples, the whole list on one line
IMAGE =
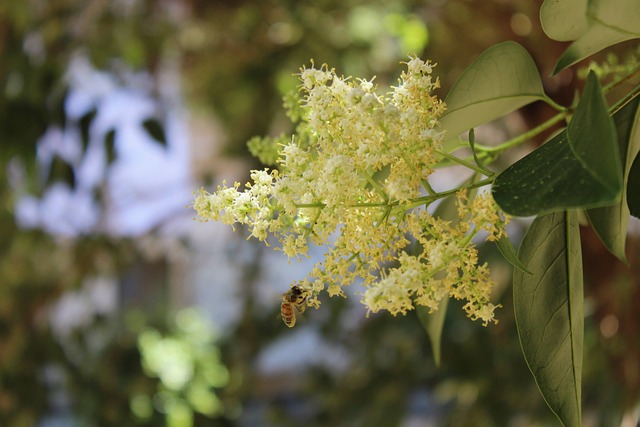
[(578, 168), (508, 252), (433, 324), (610, 222), (633, 188), (548, 307)]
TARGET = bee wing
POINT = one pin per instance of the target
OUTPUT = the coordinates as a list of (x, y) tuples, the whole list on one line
[(301, 307)]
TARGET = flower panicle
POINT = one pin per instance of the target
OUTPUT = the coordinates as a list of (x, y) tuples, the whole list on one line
[(350, 179)]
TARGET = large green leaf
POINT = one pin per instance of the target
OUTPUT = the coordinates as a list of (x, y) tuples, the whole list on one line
[(610, 222), (564, 20), (633, 188), (548, 306), (609, 22), (500, 80), (578, 168)]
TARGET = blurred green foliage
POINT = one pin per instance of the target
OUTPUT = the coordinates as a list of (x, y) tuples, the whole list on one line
[(188, 364)]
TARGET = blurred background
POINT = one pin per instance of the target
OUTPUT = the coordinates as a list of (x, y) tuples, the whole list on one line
[(118, 309)]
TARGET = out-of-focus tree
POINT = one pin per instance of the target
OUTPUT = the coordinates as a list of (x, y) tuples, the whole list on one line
[(233, 56)]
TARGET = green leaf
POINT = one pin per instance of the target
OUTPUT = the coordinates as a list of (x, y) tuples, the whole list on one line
[(610, 223), (433, 324), (549, 312), (609, 22), (502, 79), (506, 249), (578, 168), (633, 188), (564, 20), (592, 135), (472, 142)]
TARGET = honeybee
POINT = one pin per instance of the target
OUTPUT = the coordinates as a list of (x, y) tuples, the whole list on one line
[(293, 300)]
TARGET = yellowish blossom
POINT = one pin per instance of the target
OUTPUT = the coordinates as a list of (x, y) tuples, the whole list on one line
[(354, 179)]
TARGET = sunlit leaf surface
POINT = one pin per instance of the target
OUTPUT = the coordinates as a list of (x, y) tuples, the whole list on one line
[(501, 80), (564, 20), (609, 22)]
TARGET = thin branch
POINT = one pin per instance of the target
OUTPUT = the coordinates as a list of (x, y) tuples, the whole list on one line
[(525, 136), (460, 161)]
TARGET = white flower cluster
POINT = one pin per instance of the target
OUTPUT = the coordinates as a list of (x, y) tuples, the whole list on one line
[(363, 172)]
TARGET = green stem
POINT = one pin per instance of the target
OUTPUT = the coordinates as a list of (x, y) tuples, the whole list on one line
[(525, 136), (621, 80), (624, 101), (311, 205), (464, 242), (373, 204), (310, 229), (353, 256), (374, 184), (427, 186), (554, 105), (460, 161), (385, 215), (426, 200), (418, 201)]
